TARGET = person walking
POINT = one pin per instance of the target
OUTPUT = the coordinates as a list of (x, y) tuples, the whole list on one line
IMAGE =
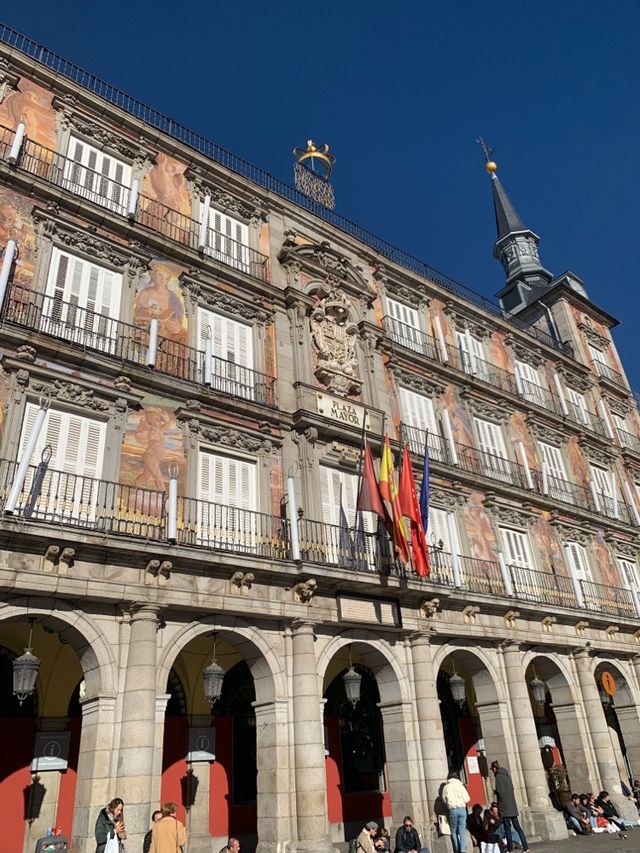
[(169, 834), (110, 824), (455, 797), (146, 844), (505, 795)]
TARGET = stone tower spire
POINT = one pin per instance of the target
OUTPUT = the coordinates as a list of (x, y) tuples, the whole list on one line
[(516, 248)]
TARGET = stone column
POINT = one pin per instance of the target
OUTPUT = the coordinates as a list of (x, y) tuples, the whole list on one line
[(600, 737), (275, 825), (308, 740), (404, 772), (136, 784), (547, 823), (572, 731), (434, 754), (94, 787)]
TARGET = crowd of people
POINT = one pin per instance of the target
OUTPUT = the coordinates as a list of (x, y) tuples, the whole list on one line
[(586, 813)]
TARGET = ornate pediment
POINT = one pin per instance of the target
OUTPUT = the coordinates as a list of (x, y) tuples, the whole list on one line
[(463, 321), (506, 514), (208, 296), (87, 242), (595, 338), (321, 262), (598, 455), (484, 409), (580, 382), (583, 535), (543, 432), (618, 406), (624, 547), (98, 133), (227, 436), (426, 385), (443, 499), (247, 208), (525, 353), (70, 392)]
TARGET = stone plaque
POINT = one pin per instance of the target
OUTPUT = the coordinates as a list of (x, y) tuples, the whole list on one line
[(343, 411), (372, 610), (51, 751), (202, 744)]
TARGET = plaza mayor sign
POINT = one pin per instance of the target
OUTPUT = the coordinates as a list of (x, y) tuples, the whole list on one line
[(343, 411)]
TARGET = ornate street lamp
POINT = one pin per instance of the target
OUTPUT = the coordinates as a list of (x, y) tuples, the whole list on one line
[(25, 671), (538, 689), (213, 676), (457, 687), (352, 683)]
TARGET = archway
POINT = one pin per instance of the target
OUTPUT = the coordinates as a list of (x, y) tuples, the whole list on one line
[(41, 738), (371, 769), (473, 720), (226, 788), (560, 735), (622, 718)]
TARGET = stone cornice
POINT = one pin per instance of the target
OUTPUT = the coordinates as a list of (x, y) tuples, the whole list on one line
[(522, 516), (224, 434), (601, 455), (595, 338), (482, 408), (463, 320), (543, 432), (427, 385), (523, 352), (444, 499), (583, 534), (581, 382), (209, 296)]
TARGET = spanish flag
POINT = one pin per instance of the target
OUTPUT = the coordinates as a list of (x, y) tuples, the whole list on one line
[(389, 491), (410, 508)]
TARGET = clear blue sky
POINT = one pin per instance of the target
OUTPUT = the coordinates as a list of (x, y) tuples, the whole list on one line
[(400, 90)]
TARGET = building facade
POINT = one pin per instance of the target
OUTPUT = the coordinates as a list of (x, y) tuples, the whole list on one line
[(191, 355)]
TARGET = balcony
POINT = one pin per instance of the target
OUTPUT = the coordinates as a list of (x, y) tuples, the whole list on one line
[(583, 417), (609, 375), (542, 587), (410, 338), (61, 171), (628, 440), (89, 331), (607, 599)]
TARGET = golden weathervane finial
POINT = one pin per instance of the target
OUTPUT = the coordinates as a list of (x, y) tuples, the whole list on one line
[(491, 166), (315, 152)]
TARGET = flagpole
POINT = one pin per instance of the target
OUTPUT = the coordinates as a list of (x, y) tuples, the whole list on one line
[(362, 439)]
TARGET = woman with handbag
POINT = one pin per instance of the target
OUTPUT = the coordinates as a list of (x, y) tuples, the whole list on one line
[(110, 831), (169, 834)]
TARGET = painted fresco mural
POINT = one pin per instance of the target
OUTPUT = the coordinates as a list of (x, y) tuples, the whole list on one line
[(152, 441), (497, 352), (549, 547), (460, 420), (577, 462), (520, 432), (165, 183), (160, 295), (16, 224), (609, 576), (31, 104), (480, 534)]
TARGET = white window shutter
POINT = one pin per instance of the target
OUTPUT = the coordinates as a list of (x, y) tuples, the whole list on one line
[(439, 531), (516, 547), (97, 175), (578, 557)]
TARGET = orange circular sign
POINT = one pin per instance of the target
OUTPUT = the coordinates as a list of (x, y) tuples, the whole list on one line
[(609, 683)]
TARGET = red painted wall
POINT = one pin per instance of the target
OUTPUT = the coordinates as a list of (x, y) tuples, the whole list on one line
[(469, 739), (67, 793), (15, 778)]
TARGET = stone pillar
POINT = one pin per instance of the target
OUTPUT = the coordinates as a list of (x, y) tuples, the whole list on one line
[(200, 840), (275, 825), (308, 740), (547, 823), (136, 784), (94, 785), (600, 737), (404, 772), (434, 754), (572, 733)]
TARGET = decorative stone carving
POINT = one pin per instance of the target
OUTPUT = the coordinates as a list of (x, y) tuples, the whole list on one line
[(297, 310), (417, 382), (334, 336), (469, 614), (58, 559), (518, 517), (598, 455), (580, 382), (510, 618), (523, 352), (484, 409), (122, 383), (241, 582), (595, 338), (26, 353), (304, 591), (543, 432), (229, 437), (429, 607), (623, 547), (218, 300), (636, 636), (548, 622), (476, 326), (247, 209), (449, 501), (158, 571), (611, 631), (617, 405), (69, 392), (583, 535), (8, 80), (321, 261), (581, 627), (407, 295), (99, 134)]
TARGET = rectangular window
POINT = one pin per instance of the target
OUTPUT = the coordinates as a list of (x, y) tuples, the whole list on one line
[(228, 240), (354, 544), (602, 480), (559, 487), (577, 560), (528, 383), (493, 456), (97, 176), (232, 354), (472, 355), (419, 419), (578, 406), (82, 302), (597, 355), (441, 544), (629, 573), (67, 486), (227, 502), (517, 555), (404, 325)]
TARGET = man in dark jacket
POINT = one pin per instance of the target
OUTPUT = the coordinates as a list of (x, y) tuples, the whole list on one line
[(146, 844), (506, 799), (407, 838)]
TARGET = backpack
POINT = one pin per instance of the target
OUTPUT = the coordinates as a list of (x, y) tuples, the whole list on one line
[(354, 844)]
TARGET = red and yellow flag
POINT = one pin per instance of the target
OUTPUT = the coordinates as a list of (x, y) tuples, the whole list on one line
[(410, 508), (389, 490)]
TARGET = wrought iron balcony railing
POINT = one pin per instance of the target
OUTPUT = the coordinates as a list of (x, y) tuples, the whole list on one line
[(584, 417), (607, 599), (64, 172), (89, 330), (410, 338), (628, 440), (543, 587), (608, 373), (417, 440)]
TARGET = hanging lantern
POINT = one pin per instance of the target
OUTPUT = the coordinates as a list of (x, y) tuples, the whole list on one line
[(457, 687), (212, 677), (25, 671), (538, 690), (352, 683)]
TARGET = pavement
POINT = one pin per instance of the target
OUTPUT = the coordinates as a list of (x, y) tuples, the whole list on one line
[(601, 843)]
